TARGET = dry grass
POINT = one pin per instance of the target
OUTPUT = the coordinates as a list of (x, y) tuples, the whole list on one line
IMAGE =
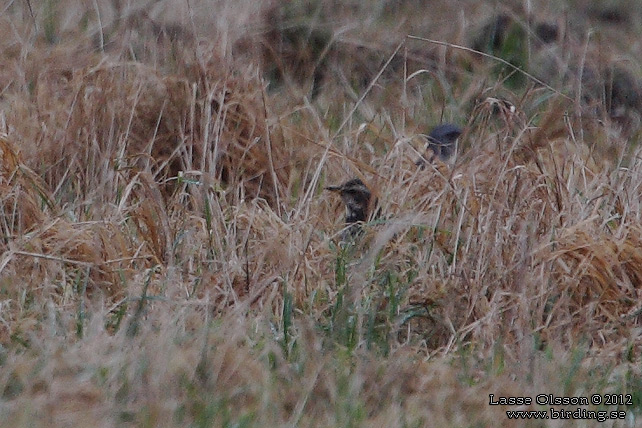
[(168, 256)]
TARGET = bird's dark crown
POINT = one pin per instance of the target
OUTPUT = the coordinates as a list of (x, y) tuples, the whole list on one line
[(444, 134)]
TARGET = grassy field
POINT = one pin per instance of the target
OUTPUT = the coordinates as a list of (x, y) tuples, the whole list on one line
[(168, 256)]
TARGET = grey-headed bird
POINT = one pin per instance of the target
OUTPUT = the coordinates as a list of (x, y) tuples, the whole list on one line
[(442, 142)]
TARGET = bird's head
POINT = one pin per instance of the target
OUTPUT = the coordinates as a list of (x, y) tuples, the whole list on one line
[(442, 140), (356, 197)]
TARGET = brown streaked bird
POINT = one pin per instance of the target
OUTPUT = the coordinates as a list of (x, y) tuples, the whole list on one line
[(356, 197), (441, 142)]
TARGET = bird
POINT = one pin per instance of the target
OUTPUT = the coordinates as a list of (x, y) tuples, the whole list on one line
[(355, 194), (441, 142), (356, 197)]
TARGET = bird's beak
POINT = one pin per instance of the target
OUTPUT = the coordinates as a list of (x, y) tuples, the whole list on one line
[(333, 188)]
